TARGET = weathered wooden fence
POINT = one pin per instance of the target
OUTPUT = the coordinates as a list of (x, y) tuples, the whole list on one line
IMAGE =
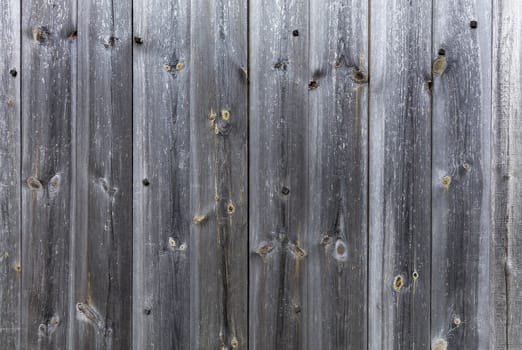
[(262, 174)]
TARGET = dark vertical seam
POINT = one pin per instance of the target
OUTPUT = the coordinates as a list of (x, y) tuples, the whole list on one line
[(20, 170), (430, 319), (369, 75), (247, 134), (74, 180), (307, 198), (131, 251)]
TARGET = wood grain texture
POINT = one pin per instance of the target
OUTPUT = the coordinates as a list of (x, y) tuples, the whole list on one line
[(506, 242), (263, 174), (399, 175), (218, 173), (101, 302), (10, 254), (461, 168), (279, 79), (162, 216), (48, 158), (335, 308)]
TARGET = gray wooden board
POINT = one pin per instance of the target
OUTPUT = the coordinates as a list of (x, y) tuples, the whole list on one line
[(399, 175), (335, 269), (460, 176), (366, 182), (218, 174), (162, 216), (506, 202), (279, 79), (101, 302), (10, 273), (48, 122)]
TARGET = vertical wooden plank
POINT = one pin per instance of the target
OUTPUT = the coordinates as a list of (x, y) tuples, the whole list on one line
[(400, 171), (279, 86), (48, 121), (335, 309), (506, 202), (101, 305), (218, 174), (162, 217), (461, 172), (10, 268)]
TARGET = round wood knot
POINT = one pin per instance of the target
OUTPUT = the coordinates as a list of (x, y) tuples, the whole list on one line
[(340, 251), (446, 181), (440, 344), (359, 76), (298, 252), (234, 342), (398, 283), (313, 85), (225, 115), (18, 267), (439, 65), (34, 183), (40, 34)]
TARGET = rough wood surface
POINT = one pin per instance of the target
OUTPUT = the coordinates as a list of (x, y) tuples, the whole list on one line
[(162, 216), (48, 158), (399, 175), (263, 174), (10, 254), (279, 125), (460, 177), (101, 301), (506, 201), (218, 174), (335, 269)]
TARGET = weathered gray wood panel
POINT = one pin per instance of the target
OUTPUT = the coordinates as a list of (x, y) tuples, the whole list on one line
[(506, 199), (162, 216), (378, 213), (461, 172), (48, 152), (279, 125), (399, 175), (218, 174), (10, 254), (335, 272), (101, 302)]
